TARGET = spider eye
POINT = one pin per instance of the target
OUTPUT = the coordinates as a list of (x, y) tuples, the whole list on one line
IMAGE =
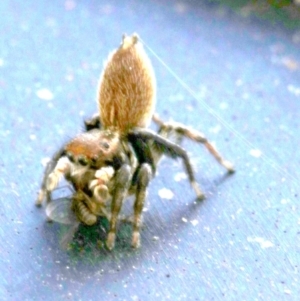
[(104, 145), (108, 162), (70, 157), (94, 160), (83, 160)]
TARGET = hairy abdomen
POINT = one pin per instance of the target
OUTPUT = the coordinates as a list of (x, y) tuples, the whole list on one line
[(127, 87)]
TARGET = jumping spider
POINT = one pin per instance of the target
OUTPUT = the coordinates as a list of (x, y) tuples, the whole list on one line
[(117, 155)]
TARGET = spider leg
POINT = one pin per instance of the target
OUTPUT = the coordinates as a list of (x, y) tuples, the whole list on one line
[(184, 131), (122, 182), (92, 123), (51, 165), (165, 146), (144, 175)]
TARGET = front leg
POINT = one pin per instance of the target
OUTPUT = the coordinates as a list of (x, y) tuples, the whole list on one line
[(122, 181), (144, 175), (58, 167)]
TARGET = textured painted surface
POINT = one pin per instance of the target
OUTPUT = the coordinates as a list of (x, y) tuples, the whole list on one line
[(242, 242)]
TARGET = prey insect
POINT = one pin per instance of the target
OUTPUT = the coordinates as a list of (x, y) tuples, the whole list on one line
[(118, 154)]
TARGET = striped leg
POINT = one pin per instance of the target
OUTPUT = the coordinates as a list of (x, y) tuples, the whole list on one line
[(143, 178), (122, 182)]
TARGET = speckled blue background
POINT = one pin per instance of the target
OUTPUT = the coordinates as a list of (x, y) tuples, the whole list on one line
[(242, 242)]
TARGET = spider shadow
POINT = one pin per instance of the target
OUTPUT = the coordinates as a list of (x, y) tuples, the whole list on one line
[(166, 227), (84, 246), (87, 243), (213, 185), (91, 239)]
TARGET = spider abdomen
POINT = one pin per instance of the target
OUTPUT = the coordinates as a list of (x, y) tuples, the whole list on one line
[(127, 87)]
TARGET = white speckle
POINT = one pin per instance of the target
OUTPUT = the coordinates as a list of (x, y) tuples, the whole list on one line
[(44, 94), (32, 137), (245, 96), (184, 220), (180, 8), (177, 97), (238, 82), (255, 153), (69, 77), (194, 222), (51, 22), (45, 161), (203, 92), (287, 291), (81, 113), (18, 222), (215, 129), (294, 90), (107, 9), (267, 244), (16, 193), (165, 193), (239, 211), (264, 244), (284, 201), (223, 105), (180, 176), (70, 5), (25, 27), (6, 133), (284, 128), (290, 63), (296, 35), (155, 238)]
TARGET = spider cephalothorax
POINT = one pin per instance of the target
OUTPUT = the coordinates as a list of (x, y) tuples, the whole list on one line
[(117, 155)]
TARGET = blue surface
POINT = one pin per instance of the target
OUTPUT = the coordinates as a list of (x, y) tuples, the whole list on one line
[(242, 242)]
